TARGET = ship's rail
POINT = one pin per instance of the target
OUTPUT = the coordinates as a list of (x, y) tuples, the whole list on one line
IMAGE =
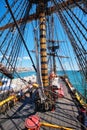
[(81, 99)]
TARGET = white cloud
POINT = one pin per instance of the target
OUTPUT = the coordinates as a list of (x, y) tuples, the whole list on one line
[(0, 56), (19, 58), (26, 58), (23, 58)]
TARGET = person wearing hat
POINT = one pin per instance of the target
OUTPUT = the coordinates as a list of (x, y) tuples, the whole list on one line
[(30, 88), (35, 85), (35, 91)]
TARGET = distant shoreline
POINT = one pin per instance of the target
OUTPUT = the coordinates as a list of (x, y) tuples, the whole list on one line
[(19, 70), (25, 71)]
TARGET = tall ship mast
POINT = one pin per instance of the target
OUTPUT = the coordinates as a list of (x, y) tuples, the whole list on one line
[(56, 31)]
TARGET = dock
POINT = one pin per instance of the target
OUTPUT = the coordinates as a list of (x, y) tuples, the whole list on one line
[(65, 114)]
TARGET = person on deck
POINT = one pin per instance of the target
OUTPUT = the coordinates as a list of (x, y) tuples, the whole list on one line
[(83, 117), (33, 87), (35, 91), (20, 95), (52, 75), (30, 88)]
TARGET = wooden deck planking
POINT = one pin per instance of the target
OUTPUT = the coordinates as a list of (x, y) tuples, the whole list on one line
[(68, 107), (66, 112), (64, 115)]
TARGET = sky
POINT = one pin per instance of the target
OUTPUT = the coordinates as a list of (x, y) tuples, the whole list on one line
[(65, 48)]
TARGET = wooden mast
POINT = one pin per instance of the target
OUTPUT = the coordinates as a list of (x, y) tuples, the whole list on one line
[(43, 52)]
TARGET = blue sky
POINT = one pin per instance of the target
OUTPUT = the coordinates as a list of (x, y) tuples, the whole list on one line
[(64, 50), (61, 36)]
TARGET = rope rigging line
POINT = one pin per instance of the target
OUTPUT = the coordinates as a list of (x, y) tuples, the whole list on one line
[(62, 47), (5, 38), (7, 33), (81, 17), (17, 43), (76, 26), (3, 32), (52, 44), (10, 76), (48, 35), (71, 65), (59, 59), (9, 42), (75, 35), (50, 40), (81, 56), (71, 28), (73, 43), (79, 31), (8, 46), (22, 28), (77, 49), (83, 31), (39, 78), (85, 11), (75, 16), (20, 34), (15, 56), (61, 63), (12, 51), (11, 55), (78, 39), (12, 5), (57, 55)]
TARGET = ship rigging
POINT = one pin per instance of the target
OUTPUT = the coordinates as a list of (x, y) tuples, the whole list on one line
[(57, 31)]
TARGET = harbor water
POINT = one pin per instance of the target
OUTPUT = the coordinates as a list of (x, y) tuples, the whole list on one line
[(75, 78)]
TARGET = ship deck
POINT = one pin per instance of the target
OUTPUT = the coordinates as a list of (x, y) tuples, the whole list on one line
[(65, 114)]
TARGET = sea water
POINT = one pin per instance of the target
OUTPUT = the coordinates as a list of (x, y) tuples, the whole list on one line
[(24, 74), (75, 77)]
